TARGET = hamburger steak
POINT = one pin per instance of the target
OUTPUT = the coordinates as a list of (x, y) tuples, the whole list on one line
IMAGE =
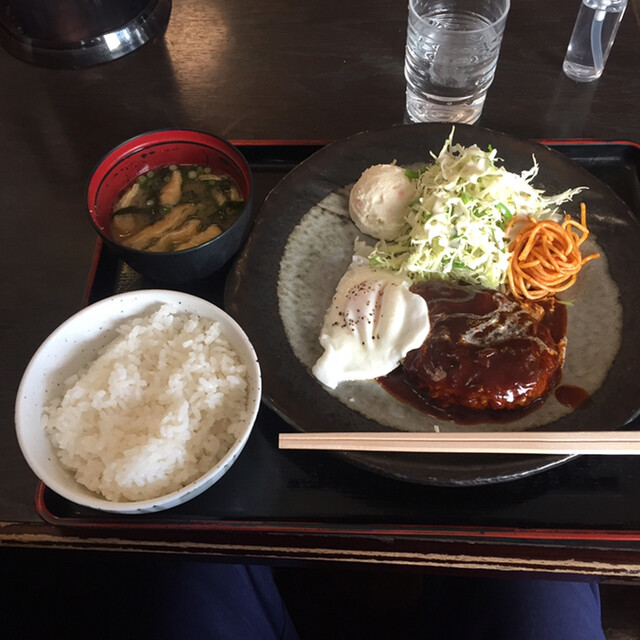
[(485, 349)]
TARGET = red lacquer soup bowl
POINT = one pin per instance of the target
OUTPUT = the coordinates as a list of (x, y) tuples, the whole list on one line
[(151, 151)]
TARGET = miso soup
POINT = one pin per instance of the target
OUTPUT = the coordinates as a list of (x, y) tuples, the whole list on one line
[(175, 208)]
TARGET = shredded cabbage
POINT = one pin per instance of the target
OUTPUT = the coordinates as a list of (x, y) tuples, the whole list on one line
[(456, 225)]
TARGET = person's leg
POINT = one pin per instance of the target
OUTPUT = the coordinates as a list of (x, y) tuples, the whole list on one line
[(78, 596), (511, 609), (179, 599), (208, 601)]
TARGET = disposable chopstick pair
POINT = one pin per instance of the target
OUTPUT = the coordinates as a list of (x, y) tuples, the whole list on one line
[(526, 442)]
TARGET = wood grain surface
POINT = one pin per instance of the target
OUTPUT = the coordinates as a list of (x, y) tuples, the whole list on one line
[(272, 69)]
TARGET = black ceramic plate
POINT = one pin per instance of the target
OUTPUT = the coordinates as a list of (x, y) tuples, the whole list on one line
[(292, 391)]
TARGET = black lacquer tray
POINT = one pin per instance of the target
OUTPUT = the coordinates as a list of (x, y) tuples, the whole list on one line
[(587, 497)]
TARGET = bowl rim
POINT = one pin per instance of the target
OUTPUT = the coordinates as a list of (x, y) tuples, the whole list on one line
[(168, 500), (137, 144)]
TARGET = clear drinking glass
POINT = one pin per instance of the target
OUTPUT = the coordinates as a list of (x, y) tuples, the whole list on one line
[(451, 57)]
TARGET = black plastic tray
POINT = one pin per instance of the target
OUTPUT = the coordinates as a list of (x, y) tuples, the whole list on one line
[(588, 497)]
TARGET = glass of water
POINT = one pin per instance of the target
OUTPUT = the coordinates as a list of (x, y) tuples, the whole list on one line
[(451, 57)]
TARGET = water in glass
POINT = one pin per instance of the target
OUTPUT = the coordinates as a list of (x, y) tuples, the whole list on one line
[(451, 57)]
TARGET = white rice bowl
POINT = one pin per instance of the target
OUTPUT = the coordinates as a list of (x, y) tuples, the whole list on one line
[(138, 402)]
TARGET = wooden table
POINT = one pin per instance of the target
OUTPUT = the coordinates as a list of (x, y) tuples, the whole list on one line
[(314, 72)]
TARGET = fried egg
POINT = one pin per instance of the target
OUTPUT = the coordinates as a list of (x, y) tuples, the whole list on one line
[(374, 320)]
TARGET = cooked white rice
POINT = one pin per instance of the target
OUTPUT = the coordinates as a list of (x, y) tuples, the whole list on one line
[(161, 404)]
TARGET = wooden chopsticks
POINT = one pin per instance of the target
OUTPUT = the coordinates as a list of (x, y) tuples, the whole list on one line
[(527, 442)]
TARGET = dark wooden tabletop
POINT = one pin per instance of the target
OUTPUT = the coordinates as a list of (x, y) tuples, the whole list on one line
[(266, 70)]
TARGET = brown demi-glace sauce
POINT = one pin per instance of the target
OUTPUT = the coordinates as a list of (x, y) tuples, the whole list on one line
[(488, 358), (571, 396)]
